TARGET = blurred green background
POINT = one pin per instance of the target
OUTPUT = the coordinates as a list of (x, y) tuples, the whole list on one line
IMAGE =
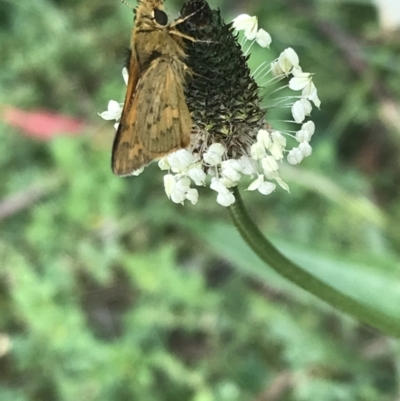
[(109, 291)]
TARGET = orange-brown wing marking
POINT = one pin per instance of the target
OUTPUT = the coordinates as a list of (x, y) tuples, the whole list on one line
[(126, 145), (165, 122)]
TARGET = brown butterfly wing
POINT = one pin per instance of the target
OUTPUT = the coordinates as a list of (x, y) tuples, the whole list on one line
[(156, 122), (122, 162), (165, 123)]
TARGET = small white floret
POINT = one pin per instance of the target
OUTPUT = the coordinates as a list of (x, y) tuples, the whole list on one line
[(113, 112), (169, 184), (197, 175), (192, 195), (246, 23), (305, 149), (263, 38), (180, 160), (295, 156)]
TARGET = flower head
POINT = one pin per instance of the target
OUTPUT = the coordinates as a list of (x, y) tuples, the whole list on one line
[(230, 140)]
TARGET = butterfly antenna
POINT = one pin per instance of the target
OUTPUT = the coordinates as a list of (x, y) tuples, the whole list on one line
[(127, 4)]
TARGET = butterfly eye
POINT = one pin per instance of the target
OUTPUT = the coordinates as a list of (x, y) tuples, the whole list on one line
[(160, 17)]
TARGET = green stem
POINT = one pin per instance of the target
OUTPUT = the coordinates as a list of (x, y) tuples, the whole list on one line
[(299, 276)]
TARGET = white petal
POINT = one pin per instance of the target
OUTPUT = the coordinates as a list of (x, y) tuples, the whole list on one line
[(113, 112), (311, 93), (276, 69), (227, 183), (284, 64), (263, 38), (231, 174), (183, 184), (305, 149), (292, 56), (269, 164), (163, 164), (277, 137), (198, 175), (246, 23), (243, 21), (169, 184), (116, 125), (258, 151), (309, 90), (247, 165), (276, 151), (264, 137), (216, 185), (178, 196), (300, 82), (288, 59), (192, 195), (266, 188), (232, 163), (256, 183), (298, 112), (180, 160), (309, 126), (225, 199), (213, 156), (295, 156), (125, 75), (138, 171), (282, 184), (303, 136), (217, 148), (307, 106)]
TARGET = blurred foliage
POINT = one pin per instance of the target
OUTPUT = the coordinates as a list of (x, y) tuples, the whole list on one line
[(109, 291)]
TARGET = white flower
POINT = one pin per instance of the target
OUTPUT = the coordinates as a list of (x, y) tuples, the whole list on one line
[(303, 136), (300, 109), (266, 188), (300, 80), (182, 186), (180, 160), (288, 60), (309, 126), (305, 149), (256, 183), (310, 93), (247, 165), (258, 150), (198, 175), (278, 138), (276, 69), (213, 156), (264, 137), (192, 195), (113, 112), (295, 156), (231, 174), (163, 164), (169, 184), (225, 197), (263, 38), (125, 75), (269, 165), (246, 23)]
